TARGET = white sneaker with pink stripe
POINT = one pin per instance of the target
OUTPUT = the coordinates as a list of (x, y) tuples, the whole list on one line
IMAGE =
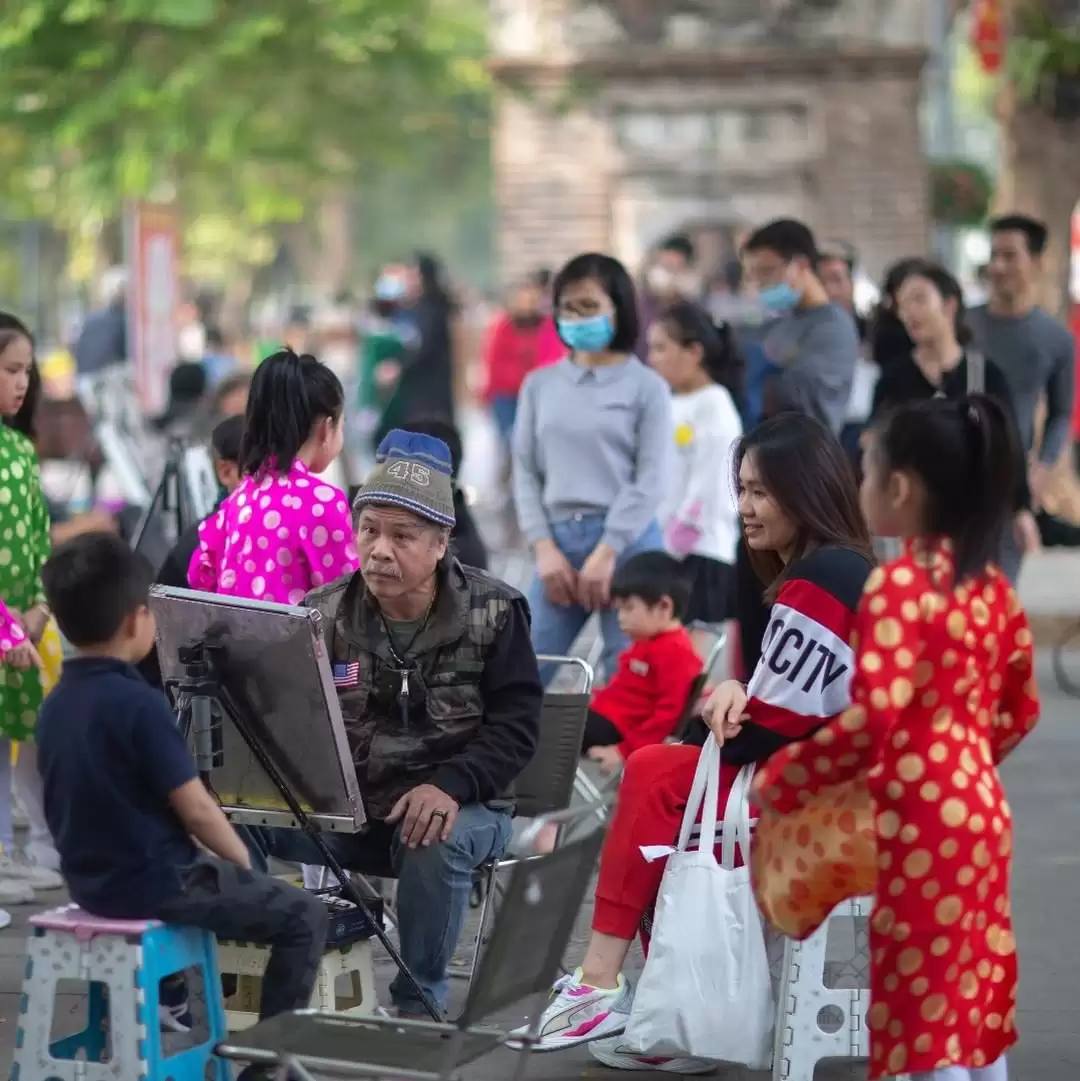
[(578, 1013), (618, 1056)]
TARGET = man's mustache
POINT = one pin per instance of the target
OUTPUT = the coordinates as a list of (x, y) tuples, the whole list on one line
[(376, 572)]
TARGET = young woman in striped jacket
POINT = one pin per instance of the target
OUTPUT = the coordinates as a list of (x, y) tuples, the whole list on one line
[(809, 544)]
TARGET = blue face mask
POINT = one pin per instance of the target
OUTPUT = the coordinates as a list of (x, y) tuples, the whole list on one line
[(780, 298), (592, 335)]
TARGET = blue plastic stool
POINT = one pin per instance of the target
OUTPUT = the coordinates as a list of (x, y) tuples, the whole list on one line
[(124, 962)]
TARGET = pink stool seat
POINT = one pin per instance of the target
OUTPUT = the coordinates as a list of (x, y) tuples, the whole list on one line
[(83, 926)]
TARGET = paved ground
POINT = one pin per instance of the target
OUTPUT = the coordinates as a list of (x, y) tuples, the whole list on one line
[(1046, 799)]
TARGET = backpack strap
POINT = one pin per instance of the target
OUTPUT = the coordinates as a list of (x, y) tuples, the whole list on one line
[(976, 372)]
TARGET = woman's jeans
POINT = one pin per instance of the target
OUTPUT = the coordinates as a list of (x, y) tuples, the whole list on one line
[(554, 627)]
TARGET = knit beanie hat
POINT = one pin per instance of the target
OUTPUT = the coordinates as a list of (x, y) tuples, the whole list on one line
[(414, 472)]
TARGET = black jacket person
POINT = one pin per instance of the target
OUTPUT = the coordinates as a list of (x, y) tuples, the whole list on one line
[(440, 694)]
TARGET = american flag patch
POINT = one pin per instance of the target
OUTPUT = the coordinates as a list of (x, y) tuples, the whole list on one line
[(347, 675)]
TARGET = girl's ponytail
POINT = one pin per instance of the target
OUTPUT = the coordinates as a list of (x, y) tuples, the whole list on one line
[(690, 324), (289, 395), (965, 455)]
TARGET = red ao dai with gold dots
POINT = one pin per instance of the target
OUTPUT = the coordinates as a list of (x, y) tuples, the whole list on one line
[(943, 691)]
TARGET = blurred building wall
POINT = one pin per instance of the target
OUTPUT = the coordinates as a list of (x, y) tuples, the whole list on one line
[(620, 121)]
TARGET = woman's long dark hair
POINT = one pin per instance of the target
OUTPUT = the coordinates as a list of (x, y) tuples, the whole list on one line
[(689, 324), (889, 339), (25, 421), (433, 287), (803, 467), (948, 288), (964, 453), (289, 395)]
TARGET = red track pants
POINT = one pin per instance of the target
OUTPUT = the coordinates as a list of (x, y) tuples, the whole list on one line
[(652, 798)]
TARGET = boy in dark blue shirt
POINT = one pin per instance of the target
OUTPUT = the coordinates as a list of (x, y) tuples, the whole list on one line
[(122, 796)]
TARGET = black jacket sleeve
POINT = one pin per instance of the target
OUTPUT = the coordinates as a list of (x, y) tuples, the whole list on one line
[(753, 744), (507, 740)]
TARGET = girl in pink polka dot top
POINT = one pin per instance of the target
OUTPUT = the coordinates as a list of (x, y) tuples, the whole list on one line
[(284, 531)]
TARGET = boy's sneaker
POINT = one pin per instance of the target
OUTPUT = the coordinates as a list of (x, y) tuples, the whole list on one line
[(5, 919), (615, 1054), (175, 1018), (578, 1013), (15, 866), (174, 1010), (15, 892)]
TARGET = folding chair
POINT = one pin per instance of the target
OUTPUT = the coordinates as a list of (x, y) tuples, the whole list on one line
[(562, 710), (547, 784), (522, 960), (711, 643), (710, 640)]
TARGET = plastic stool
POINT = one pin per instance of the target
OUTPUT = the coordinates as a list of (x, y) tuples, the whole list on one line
[(129, 958), (355, 960), (801, 1038)]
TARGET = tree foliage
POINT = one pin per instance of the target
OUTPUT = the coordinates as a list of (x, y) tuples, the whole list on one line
[(246, 107)]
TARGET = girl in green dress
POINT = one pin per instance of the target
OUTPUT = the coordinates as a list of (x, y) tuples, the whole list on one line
[(24, 547)]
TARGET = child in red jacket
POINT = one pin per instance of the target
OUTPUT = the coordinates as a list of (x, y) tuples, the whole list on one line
[(645, 698)]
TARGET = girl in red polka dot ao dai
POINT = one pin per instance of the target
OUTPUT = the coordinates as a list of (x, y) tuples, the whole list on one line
[(943, 691), (284, 530)]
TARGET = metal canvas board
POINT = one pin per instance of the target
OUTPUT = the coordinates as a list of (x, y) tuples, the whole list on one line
[(275, 663), (201, 481)]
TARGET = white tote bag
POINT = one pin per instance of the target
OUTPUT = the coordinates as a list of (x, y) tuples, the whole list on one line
[(706, 989)]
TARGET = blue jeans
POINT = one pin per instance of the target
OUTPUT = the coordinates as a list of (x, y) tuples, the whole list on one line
[(434, 885), (554, 628)]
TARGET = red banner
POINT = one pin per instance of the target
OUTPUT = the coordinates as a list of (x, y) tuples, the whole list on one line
[(988, 34), (153, 258)]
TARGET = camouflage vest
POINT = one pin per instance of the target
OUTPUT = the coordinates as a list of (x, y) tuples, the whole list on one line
[(394, 753)]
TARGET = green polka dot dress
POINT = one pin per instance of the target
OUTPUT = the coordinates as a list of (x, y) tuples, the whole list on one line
[(24, 547)]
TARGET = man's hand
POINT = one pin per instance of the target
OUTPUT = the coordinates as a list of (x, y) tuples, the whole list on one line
[(1026, 532), (555, 573), (386, 374), (607, 758), (1038, 478), (428, 814)]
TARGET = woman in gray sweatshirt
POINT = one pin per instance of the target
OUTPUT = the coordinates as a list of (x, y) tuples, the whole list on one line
[(593, 450)]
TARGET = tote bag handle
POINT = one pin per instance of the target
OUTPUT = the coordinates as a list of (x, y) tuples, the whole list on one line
[(704, 797), (737, 820)]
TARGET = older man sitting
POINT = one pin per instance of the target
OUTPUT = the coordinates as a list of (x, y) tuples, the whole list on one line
[(441, 697)]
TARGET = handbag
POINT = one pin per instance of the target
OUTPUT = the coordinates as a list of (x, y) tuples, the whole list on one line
[(706, 990), (805, 863)]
